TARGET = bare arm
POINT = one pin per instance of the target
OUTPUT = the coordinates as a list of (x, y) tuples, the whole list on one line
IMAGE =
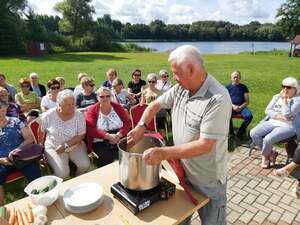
[(202, 146), (247, 101), (27, 136)]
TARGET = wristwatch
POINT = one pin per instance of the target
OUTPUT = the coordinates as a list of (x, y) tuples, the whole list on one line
[(142, 124), (66, 146)]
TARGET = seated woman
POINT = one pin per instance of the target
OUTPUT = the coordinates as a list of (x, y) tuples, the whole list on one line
[(49, 101), (13, 135), (163, 84), (107, 122), (111, 74), (65, 131), (87, 97), (120, 95), (36, 87), (62, 82), (282, 121), (78, 89), (13, 109), (288, 169), (136, 85), (27, 99)]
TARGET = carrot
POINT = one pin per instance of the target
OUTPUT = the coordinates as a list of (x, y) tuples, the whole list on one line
[(29, 214), (12, 217), (19, 218), (24, 217)]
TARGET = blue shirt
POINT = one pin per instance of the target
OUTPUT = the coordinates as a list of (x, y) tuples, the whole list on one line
[(10, 136), (237, 93)]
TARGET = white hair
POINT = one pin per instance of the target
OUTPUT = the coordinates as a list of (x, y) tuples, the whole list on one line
[(62, 95), (162, 72), (151, 76), (33, 74), (292, 82), (184, 54)]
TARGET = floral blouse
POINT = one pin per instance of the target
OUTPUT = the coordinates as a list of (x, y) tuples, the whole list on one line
[(11, 136)]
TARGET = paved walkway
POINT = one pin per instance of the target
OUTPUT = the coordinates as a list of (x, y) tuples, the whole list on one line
[(255, 196)]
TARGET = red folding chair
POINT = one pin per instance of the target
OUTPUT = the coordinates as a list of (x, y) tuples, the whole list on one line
[(136, 113)]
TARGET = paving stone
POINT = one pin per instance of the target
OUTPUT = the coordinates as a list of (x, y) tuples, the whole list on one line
[(264, 184), (280, 222), (237, 198), (233, 216), (252, 184), (248, 207), (286, 184), (240, 184), (274, 217), (287, 217), (275, 184), (239, 191), (235, 207), (260, 217), (262, 199), (288, 208), (262, 207), (275, 191), (274, 199), (274, 207), (252, 191), (246, 217), (286, 199), (250, 199), (261, 190)]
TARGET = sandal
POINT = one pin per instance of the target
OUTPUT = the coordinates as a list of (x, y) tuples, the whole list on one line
[(282, 172), (265, 164), (273, 158)]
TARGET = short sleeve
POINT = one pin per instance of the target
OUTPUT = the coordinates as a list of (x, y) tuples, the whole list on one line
[(215, 121), (166, 100), (45, 121), (130, 84), (81, 123), (44, 101), (246, 90)]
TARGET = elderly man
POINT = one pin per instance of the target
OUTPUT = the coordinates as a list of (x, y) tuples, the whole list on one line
[(201, 110), (11, 89), (239, 95), (35, 86)]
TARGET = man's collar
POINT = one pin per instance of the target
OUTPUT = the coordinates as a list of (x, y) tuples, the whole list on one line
[(204, 87)]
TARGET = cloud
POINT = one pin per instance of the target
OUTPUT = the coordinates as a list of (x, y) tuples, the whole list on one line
[(176, 11)]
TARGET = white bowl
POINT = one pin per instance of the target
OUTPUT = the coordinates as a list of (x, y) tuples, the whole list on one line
[(46, 198)]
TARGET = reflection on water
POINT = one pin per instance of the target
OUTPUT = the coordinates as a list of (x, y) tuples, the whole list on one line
[(219, 47)]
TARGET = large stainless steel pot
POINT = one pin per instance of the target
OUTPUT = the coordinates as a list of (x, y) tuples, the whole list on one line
[(134, 173)]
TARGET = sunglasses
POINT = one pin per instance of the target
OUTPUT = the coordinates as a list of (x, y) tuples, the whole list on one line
[(104, 96), (287, 87), (151, 81), (164, 76), (91, 85), (55, 87)]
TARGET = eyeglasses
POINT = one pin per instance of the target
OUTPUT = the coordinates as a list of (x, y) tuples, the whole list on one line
[(137, 75), (104, 96), (55, 87), (287, 87), (24, 86), (151, 81)]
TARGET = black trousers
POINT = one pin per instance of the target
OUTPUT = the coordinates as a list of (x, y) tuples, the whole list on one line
[(106, 152)]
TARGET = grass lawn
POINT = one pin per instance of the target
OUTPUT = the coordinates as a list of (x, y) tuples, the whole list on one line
[(261, 73)]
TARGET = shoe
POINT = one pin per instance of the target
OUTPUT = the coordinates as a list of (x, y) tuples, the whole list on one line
[(273, 158), (282, 172), (265, 164)]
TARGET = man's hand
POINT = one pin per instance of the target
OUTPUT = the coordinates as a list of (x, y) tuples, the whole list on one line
[(60, 149), (153, 156), (135, 135), (5, 161)]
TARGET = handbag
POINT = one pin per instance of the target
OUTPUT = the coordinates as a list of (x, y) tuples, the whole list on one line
[(25, 155)]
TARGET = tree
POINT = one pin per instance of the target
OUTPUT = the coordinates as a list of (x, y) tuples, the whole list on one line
[(289, 18), (77, 16), (11, 26)]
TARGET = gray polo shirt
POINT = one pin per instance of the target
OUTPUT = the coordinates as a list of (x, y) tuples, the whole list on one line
[(203, 115)]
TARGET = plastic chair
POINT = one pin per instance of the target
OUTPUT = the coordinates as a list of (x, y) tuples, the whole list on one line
[(136, 113)]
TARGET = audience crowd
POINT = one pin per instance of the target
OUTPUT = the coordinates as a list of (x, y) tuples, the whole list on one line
[(76, 121)]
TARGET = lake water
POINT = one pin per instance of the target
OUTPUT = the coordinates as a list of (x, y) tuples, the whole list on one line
[(219, 47)]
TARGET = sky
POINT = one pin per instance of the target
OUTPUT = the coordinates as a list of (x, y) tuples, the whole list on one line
[(176, 11)]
